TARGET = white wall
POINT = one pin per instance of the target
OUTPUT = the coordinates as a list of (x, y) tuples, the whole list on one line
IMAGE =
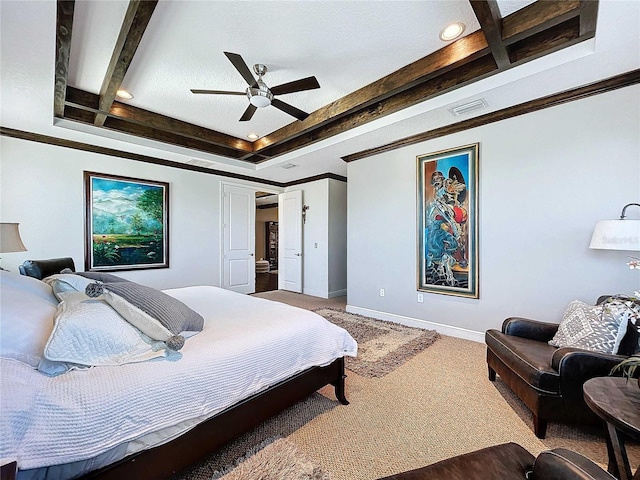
[(315, 238), (337, 242), (545, 179), (41, 187), (324, 267)]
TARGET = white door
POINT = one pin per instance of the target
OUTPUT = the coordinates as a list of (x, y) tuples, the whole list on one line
[(290, 248), (238, 263)]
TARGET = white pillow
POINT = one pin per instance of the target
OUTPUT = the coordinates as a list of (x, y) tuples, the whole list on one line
[(89, 332), (591, 327), (28, 285), (27, 308), (67, 282)]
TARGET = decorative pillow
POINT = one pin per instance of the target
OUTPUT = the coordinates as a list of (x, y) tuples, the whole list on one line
[(28, 309), (591, 327), (66, 282), (89, 332), (155, 313), (102, 277)]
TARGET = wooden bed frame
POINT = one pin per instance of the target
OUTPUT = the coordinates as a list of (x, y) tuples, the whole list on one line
[(164, 460)]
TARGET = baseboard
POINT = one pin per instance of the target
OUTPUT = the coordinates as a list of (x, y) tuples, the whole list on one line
[(338, 293), (315, 293), (416, 322)]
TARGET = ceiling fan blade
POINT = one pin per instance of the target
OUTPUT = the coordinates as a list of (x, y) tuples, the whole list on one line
[(308, 83), (242, 67), (217, 92), (248, 113), (291, 110)]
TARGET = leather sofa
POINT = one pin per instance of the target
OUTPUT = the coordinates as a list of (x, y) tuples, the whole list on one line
[(509, 461), (547, 379), (43, 268)]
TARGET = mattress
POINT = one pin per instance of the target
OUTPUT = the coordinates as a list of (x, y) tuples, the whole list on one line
[(247, 345)]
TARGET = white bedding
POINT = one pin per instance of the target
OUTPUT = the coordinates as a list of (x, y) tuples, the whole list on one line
[(247, 345)]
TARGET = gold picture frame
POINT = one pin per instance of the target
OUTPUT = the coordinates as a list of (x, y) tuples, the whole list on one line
[(448, 222)]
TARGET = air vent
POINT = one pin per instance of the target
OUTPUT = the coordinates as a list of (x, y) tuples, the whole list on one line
[(288, 165), (200, 163), (469, 107)]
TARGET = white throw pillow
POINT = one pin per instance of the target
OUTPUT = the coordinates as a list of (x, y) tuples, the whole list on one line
[(27, 309), (89, 332), (67, 282), (591, 327)]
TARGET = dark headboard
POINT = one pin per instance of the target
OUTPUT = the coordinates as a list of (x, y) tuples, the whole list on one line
[(43, 268)]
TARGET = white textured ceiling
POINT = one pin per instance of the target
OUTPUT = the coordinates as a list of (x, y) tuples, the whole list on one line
[(345, 44)]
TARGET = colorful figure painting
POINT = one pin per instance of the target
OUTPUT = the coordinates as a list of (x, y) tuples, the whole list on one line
[(447, 223), (126, 224)]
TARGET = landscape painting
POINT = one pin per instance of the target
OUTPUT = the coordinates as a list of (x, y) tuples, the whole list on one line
[(126, 223), (448, 222)]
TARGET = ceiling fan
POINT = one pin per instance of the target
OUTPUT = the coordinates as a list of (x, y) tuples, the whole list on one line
[(259, 94)]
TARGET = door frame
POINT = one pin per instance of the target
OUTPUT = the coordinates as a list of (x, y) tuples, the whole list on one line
[(223, 183)]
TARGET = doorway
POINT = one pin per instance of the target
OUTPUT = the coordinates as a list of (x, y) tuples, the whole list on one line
[(238, 244), (267, 237)]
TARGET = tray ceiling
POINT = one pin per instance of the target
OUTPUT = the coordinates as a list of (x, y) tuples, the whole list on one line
[(381, 68)]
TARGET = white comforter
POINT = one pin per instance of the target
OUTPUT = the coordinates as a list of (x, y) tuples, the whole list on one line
[(247, 345)]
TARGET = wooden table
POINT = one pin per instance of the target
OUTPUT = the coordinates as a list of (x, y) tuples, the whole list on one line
[(617, 402)]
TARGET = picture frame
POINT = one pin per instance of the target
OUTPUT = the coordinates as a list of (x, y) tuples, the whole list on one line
[(448, 221), (126, 223)]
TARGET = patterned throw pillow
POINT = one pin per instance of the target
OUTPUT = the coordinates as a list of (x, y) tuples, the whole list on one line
[(591, 327)]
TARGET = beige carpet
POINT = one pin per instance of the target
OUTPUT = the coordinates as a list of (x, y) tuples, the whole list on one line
[(438, 404)]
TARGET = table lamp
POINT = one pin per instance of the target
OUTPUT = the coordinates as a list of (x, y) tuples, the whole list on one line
[(10, 240)]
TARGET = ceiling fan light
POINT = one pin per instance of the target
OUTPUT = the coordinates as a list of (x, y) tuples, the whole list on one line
[(259, 98)]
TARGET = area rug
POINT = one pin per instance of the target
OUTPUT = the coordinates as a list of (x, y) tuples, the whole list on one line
[(274, 459), (382, 346)]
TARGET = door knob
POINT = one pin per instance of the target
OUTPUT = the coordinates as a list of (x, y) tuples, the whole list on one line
[(298, 254), (251, 254)]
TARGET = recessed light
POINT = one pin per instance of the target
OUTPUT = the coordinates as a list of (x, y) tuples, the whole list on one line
[(253, 136), (452, 31), (124, 95)]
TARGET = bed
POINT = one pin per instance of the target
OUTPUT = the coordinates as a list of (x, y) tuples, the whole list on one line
[(147, 419)]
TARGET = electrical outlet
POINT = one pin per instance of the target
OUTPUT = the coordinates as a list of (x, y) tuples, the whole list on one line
[(382, 292), (420, 298)]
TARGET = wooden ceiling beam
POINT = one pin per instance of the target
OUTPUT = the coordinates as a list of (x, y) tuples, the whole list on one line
[(546, 42), (464, 49), (64, 27), (151, 133), (89, 101), (133, 27), (121, 126), (488, 14), (537, 17), (588, 17), (463, 75)]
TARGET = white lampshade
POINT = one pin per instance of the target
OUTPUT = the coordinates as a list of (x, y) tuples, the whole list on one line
[(10, 240), (616, 235)]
